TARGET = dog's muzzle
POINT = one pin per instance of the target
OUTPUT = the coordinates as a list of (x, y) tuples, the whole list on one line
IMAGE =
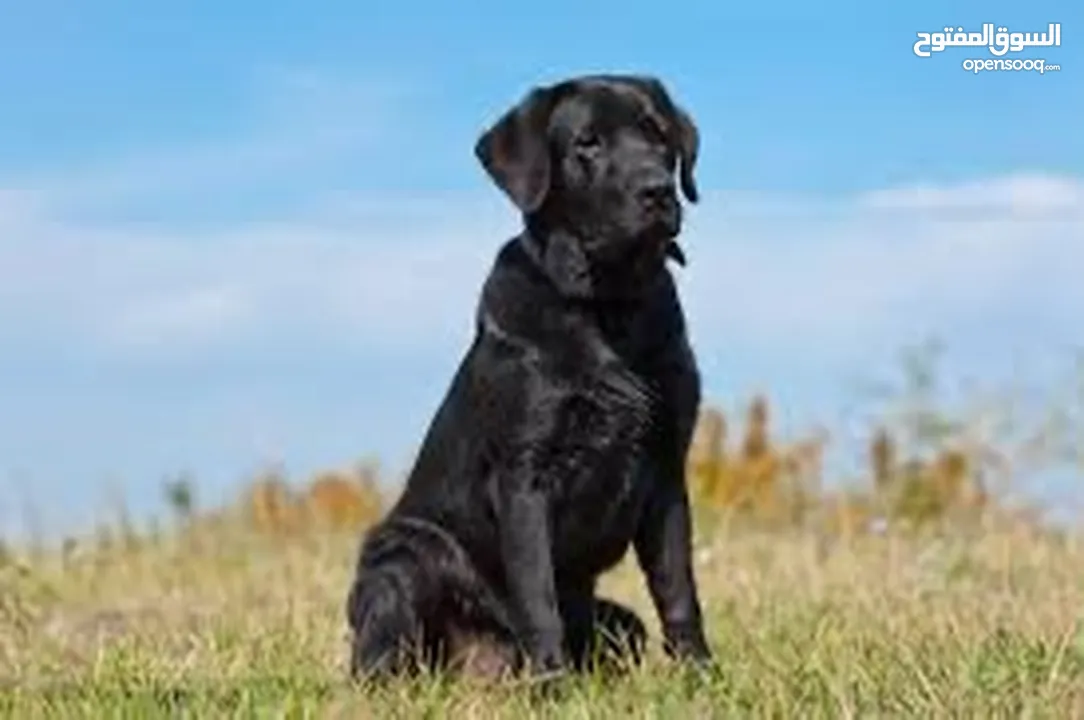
[(658, 200), (662, 212), (657, 192)]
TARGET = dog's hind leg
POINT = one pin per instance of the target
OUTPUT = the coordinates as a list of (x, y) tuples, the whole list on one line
[(417, 603), (600, 632), (619, 632), (387, 634), (384, 628)]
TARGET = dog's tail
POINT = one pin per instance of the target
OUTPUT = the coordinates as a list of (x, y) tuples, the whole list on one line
[(414, 586)]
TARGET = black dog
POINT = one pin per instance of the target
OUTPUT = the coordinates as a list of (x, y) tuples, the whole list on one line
[(562, 439)]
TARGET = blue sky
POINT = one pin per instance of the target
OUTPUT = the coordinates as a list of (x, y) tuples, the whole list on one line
[(232, 234)]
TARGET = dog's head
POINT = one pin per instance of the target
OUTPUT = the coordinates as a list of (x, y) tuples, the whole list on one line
[(596, 157)]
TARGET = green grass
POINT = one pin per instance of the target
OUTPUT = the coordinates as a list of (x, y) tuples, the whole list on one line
[(219, 621)]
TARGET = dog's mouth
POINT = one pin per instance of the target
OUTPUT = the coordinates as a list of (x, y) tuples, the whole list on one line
[(663, 233), (664, 222), (660, 244)]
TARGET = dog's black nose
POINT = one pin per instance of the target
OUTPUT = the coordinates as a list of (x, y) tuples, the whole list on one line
[(657, 191)]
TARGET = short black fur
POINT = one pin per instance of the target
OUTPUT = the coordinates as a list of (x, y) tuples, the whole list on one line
[(562, 439)]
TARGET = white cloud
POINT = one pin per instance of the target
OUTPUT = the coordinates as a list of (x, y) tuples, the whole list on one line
[(826, 277), (202, 314), (790, 293), (867, 269), (1024, 193)]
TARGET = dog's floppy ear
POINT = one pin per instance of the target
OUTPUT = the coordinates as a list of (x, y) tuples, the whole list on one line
[(683, 134), (515, 151), (688, 143)]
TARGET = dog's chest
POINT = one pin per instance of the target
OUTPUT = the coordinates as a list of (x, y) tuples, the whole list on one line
[(612, 418)]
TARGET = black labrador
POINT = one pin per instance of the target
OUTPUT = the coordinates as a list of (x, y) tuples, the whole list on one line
[(562, 438)]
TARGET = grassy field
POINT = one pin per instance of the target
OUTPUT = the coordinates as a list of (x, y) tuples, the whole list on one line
[(917, 592), (220, 620)]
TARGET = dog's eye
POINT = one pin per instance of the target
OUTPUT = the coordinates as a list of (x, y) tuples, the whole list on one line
[(588, 142), (652, 131)]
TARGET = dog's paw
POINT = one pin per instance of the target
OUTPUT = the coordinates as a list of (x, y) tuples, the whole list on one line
[(547, 684), (688, 644), (547, 662)]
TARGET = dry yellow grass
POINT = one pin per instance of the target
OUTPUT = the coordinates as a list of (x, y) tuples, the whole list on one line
[(332, 500), (779, 484), (912, 592), (221, 619)]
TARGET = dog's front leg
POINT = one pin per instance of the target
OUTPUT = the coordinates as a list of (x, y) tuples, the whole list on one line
[(664, 549), (528, 564)]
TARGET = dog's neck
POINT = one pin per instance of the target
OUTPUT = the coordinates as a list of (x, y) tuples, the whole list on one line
[(559, 254)]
